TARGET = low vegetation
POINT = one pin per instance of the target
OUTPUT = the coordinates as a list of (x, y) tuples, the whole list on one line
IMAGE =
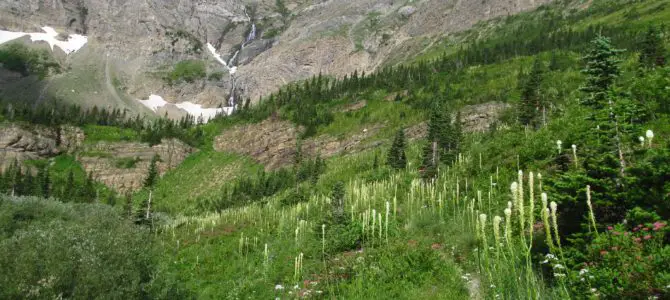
[(19, 58), (187, 71), (562, 197)]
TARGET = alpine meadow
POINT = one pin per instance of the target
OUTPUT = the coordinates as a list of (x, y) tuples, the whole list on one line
[(341, 149)]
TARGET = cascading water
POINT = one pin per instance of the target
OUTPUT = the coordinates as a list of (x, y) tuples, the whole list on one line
[(252, 33), (229, 66)]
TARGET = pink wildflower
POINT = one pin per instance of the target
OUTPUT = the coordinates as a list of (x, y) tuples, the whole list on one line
[(637, 240), (610, 228), (658, 225), (603, 252), (647, 237)]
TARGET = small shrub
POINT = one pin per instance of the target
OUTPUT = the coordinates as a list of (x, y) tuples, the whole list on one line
[(188, 71), (127, 162), (19, 58)]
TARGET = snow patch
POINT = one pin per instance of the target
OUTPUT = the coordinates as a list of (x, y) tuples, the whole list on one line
[(154, 102), (196, 110), (73, 43), (232, 70), (216, 55)]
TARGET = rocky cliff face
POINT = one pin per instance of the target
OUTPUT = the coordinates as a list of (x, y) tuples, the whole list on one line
[(132, 44), (124, 166), (21, 144), (273, 142)]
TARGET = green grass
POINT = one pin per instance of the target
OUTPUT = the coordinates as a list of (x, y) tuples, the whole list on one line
[(201, 175), (97, 133), (377, 112), (187, 71)]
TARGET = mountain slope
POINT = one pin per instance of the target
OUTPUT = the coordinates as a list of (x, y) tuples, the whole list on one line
[(134, 45)]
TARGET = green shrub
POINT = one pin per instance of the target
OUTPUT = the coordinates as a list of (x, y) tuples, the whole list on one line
[(188, 71), (19, 58), (75, 251), (216, 76), (629, 261), (127, 162)]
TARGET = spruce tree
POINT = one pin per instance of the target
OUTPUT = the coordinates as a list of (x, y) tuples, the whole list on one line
[(69, 190), (397, 158), (152, 176), (602, 164), (44, 182), (531, 104), (602, 68), (128, 205), (652, 53)]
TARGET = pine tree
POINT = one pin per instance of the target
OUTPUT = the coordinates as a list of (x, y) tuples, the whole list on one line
[(44, 182), (396, 156), (531, 102), (375, 162), (69, 190), (88, 192), (602, 68), (128, 205), (602, 165), (652, 53), (457, 139), (152, 176)]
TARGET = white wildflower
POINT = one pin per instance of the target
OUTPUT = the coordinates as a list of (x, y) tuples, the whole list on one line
[(279, 287)]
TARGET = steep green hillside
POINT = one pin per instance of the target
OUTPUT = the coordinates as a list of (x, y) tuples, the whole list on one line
[(563, 195)]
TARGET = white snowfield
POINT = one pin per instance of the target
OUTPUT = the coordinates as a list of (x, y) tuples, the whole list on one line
[(218, 58), (73, 43), (196, 110)]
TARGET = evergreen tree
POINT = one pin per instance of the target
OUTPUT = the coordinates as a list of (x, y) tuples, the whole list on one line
[(652, 53), (602, 163), (396, 156), (152, 176), (128, 205), (531, 104), (455, 143), (375, 162), (27, 186), (69, 190), (88, 193), (431, 160), (44, 182), (602, 68)]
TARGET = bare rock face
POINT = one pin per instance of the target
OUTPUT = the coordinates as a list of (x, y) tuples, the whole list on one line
[(71, 138), (479, 118), (21, 144), (124, 166), (273, 143), (270, 142), (18, 144), (134, 44), (474, 118)]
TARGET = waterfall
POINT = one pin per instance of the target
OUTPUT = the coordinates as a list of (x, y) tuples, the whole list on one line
[(252, 33)]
